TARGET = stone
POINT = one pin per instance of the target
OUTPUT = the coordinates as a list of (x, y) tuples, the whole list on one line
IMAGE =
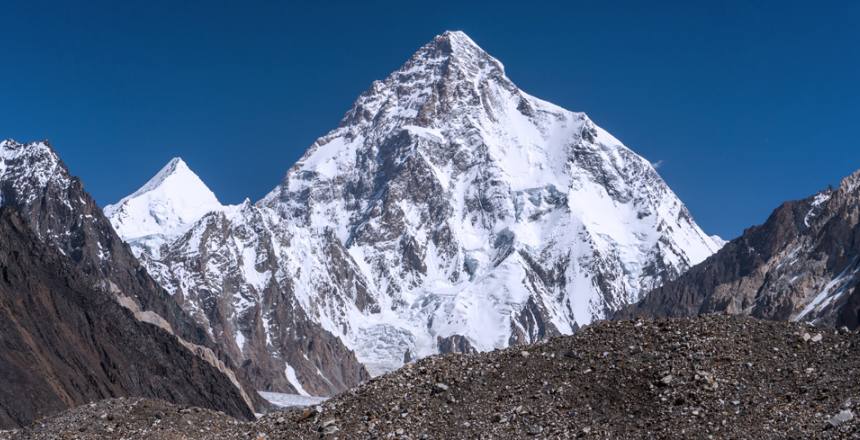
[(846, 415)]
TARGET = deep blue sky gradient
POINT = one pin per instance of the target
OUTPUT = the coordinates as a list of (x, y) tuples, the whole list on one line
[(743, 103)]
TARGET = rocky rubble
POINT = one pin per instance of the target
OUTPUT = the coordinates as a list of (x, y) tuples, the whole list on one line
[(710, 377)]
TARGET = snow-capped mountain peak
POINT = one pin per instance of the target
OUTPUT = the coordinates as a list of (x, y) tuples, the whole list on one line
[(163, 208), (449, 210), (475, 210)]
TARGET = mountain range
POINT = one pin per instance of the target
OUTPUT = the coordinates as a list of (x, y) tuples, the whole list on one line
[(802, 264), (448, 211)]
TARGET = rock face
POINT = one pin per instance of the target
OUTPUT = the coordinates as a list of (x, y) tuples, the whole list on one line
[(82, 319), (35, 182), (67, 341), (710, 377), (803, 263), (447, 202), (218, 262)]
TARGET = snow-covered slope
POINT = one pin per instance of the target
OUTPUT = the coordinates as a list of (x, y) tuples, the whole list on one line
[(450, 210), (162, 209), (475, 209)]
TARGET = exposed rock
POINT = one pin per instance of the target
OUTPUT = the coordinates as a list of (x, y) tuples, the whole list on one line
[(803, 264), (67, 341), (454, 344), (839, 419)]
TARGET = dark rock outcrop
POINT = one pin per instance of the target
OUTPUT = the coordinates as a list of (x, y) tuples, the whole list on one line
[(67, 341), (454, 344), (803, 263), (61, 215)]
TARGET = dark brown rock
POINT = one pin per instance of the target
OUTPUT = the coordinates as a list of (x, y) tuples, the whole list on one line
[(802, 263), (67, 341), (454, 344)]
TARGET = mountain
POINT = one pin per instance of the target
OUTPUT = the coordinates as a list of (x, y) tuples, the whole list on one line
[(163, 208), (448, 211), (802, 264), (82, 319), (68, 341), (217, 264)]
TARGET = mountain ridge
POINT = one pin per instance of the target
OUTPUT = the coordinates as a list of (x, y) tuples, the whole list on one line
[(800, 264), (448, 209), (60, 223)]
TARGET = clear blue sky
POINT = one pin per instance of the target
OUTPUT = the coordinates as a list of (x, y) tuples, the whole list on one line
[(745, 104)]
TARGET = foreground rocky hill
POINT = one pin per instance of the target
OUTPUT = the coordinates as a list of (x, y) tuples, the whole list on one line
[(709, 377)]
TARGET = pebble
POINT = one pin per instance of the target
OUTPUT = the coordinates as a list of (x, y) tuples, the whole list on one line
[(846, 415), (666, 388)]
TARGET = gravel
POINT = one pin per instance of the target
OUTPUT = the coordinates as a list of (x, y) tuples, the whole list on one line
[(709, 377)]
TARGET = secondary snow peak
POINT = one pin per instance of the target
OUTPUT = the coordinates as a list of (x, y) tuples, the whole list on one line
[(164, 207)]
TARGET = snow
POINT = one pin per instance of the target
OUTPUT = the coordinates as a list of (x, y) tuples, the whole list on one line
[(834, 289), (819, 200), (240, 340), (294, 380), (164, 208), (513, 182), (719, 241), (30, 168), (290, 400)]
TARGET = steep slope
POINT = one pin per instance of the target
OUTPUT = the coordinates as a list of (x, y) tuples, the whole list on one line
[(81, 318), (451, 211), (803, 263), (162, 209), (221, 271), (35, 182), (66, 341)]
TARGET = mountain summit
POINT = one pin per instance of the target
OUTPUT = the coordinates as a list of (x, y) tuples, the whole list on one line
[(448, 211), (165, 207)]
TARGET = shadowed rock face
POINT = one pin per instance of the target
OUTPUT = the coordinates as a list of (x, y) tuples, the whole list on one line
[(803, 263), (62, 217), (66, 341)]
